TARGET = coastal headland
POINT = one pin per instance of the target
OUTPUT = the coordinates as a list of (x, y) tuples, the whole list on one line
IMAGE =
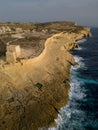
[(35, 85)]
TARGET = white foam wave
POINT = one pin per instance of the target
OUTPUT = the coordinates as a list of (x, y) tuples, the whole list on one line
[(82, 40), (76, 92), (80, 62), (71, 111), (52, 128), (78, 59), (71, 115), (79, 48)]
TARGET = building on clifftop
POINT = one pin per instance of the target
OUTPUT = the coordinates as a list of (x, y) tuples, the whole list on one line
[(13, 52)]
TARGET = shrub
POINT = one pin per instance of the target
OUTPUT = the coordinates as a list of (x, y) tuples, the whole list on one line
[(39, 86)]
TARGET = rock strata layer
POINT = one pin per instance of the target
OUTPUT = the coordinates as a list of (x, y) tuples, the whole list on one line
[(32, 91)]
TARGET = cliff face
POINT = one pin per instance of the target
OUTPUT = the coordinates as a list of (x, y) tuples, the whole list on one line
[(32, 91)]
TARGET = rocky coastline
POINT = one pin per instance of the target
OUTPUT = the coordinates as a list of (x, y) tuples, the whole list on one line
[(33, 90)]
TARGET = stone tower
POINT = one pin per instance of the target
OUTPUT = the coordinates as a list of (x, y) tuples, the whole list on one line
[(13, 52)]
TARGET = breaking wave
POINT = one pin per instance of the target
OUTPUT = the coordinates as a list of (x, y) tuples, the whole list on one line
[(82, 40), (72, 114), (81, 112)]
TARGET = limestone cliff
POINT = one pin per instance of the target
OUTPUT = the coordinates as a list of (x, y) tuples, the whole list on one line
[(32, 91)]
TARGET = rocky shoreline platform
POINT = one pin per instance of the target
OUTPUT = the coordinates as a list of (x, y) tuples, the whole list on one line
[(35, 84)]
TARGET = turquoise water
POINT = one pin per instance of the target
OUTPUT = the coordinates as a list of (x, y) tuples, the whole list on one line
[(81, 113), (89, 81)]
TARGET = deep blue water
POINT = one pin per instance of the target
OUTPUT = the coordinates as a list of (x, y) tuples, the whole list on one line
[(81, 113)]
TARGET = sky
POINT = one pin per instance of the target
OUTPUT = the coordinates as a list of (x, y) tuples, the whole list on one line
[(83, 12)]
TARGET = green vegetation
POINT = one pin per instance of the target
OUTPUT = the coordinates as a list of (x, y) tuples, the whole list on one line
[(39, 86), (10, 100), (64, 81)]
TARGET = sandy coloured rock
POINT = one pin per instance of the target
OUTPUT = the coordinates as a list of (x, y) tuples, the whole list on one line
[(33, 90)]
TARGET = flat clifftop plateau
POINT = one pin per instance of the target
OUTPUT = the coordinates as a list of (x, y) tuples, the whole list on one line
[(32, 36), (33, 89)]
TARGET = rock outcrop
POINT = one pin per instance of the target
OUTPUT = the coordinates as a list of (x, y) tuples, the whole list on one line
[(32, 91), (2, 48), (5, 29)]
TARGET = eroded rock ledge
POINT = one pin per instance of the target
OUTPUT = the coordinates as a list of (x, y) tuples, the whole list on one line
[(32, 91)]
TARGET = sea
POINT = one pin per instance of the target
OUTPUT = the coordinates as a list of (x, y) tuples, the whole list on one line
[(81, 112)]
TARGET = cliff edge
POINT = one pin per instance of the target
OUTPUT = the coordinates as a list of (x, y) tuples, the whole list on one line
[(32, 91)]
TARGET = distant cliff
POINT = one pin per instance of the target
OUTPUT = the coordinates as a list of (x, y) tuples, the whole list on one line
[(32, 91)]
